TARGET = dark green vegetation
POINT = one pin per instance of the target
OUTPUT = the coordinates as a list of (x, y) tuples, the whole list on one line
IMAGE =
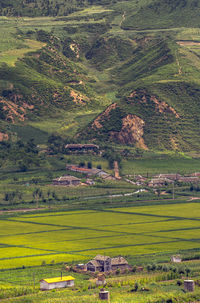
[(165, 14)]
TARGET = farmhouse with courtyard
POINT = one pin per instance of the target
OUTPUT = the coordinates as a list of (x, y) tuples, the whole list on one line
[(105, 263), (67, 181), (95, 172)]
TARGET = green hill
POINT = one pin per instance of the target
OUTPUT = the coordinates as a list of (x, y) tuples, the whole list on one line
[(65, 74), (164, 14)]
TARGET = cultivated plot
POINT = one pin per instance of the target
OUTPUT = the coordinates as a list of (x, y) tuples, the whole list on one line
[(80, 235)]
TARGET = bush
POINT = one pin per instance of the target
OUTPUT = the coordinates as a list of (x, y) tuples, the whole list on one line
[(179, 282)]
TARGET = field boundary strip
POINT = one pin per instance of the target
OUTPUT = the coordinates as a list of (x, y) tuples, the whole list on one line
[(151, 215)]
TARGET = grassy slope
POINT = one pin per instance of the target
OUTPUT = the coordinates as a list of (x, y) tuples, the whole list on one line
[(113, 62), (164, 14)]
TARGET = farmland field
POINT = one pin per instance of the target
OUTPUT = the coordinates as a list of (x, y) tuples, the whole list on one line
[(72, 236)]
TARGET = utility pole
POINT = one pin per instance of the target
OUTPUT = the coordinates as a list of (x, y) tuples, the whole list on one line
[(173, 191), (34, 280)]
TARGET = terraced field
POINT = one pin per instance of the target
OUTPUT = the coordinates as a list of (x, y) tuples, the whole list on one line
[(33, 239)]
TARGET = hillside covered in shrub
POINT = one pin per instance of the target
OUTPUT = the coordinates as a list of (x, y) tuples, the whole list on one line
[(104, 71)]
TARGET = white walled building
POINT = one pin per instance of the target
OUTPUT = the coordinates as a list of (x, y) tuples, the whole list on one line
[(60, 282)]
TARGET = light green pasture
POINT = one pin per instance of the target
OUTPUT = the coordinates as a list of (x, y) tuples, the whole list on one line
[(95, 220), (10, 56), (156, 226), (15, 252), (11, 228), (38, 260), (79, 236), (184, 210)]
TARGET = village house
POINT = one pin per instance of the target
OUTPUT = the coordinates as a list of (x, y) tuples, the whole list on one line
[(90, 172), (82, 148), (105, 263), (195, 174), (83, 170), (173, 177), (67, 181), (158, 182), (60, 282), (189, 180), (176, 259)]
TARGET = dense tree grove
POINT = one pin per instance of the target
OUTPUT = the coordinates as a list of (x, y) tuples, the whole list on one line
[(45, 7), (23, 155)]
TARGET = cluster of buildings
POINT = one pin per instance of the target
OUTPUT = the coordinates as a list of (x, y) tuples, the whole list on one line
[(99, 264), (88, 173), (165, 179), (104, 263)]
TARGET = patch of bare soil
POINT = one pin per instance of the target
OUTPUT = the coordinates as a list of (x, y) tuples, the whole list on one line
[(194, 198), (188, 43)]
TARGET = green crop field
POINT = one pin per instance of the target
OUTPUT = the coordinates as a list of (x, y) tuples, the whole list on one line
[(72, 236)]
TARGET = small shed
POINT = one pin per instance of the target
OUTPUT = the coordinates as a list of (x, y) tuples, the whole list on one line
[(176, 259), (59, 282), (101, 280), (104, 295), (189, 285)]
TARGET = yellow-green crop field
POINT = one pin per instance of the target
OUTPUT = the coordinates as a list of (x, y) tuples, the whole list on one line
[(74, 236)]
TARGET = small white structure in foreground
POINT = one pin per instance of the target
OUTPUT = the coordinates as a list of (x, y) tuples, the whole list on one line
[(176, 259), (60, 282)]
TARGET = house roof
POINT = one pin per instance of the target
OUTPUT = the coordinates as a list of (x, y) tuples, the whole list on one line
[(101, 258), (83, 169), (66, 178), (189, 179), (118, 261), (94, 263), (58, 279), (160, 180), (168, 176), (114, 261)]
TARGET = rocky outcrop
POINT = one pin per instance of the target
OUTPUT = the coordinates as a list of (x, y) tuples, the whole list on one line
[(78, 98), (129, 127), (132, 131), (3, 137), (13, 111)]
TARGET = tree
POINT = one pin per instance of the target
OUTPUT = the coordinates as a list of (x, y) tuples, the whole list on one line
[(81, 164), (37, 194), (89, 165), (187, 270), (54, 196), (136, 286)]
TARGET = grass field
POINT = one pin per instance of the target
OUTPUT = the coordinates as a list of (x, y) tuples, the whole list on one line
[(29, 240)]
